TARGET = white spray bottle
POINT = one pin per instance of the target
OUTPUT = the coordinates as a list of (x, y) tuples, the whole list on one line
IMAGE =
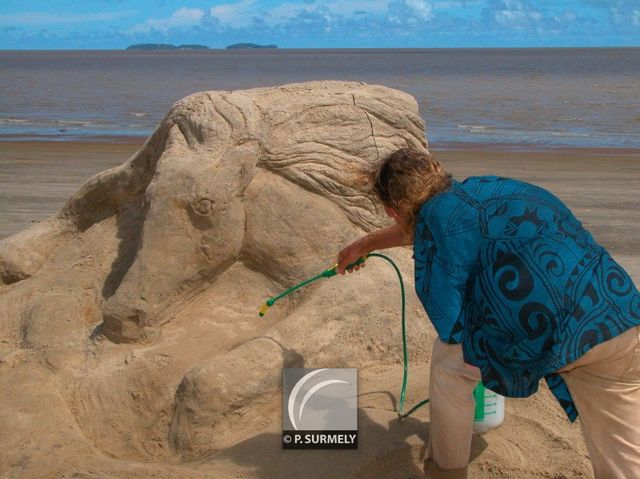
[(489, 409)]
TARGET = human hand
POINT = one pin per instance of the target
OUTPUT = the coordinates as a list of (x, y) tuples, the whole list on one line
[(351, 254)]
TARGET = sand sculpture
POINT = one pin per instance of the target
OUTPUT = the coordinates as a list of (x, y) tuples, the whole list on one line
[(128, 321)]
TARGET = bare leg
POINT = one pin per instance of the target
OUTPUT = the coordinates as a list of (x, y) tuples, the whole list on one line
[(452, 406)]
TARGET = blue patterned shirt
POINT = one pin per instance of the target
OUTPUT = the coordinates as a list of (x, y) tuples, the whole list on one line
[(504, 268)]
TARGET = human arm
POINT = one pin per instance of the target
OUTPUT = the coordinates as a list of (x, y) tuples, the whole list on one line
[(383, 238)]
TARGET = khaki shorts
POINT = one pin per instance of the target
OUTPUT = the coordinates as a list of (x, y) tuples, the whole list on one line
[(604, 384)]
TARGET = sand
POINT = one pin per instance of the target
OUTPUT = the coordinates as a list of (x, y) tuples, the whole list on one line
[(602, 187)]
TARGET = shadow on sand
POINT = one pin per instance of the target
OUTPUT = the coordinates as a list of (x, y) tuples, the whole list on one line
[(387, 447)]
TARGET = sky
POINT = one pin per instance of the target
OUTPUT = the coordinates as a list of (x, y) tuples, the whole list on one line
[(115, 24)]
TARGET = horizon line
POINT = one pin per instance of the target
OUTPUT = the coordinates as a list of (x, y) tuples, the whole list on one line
[(324, 48)]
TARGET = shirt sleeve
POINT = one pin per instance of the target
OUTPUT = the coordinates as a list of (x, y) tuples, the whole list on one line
[(446, 252)]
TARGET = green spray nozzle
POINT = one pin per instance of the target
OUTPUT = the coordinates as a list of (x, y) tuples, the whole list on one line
[(327, 273), (266, 306)]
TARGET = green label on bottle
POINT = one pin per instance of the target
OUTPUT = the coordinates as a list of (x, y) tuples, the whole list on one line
[(478, 395)]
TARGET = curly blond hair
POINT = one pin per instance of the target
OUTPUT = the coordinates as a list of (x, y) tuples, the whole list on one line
[(408, 178)]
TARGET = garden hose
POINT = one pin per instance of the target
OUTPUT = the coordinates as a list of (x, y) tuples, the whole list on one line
[(328, 273)]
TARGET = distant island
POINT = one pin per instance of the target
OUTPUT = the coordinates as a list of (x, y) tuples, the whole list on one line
[(168, 46), (249, 45), (165, 46)]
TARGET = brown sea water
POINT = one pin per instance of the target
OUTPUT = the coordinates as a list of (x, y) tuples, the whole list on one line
[(514, 97)]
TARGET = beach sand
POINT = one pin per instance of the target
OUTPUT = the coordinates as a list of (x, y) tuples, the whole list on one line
[(602, 187), (36, 178)]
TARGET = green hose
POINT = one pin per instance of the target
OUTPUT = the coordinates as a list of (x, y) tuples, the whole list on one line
[(332, 272), (405, 372)]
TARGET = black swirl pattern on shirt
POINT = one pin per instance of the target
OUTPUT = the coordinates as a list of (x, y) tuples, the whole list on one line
[(536, 319), (513, 277), (548, 258), (618, 281)]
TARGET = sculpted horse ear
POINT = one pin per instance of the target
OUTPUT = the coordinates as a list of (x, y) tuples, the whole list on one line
[(103, 195)]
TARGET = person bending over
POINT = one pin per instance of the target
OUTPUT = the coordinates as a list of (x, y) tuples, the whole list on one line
[(517, 290)]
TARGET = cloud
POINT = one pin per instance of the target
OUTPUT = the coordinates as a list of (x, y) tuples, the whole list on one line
[(421, 9), (353, 23), (237, 15), (546, 21), (334, 13), (622, 13), (402, 14), (346, 18), (567, 16), (332, 10), (446, 4), (353, 7), (317, 20), (44, 18), (320, 16), (180, 19), (516, 14)]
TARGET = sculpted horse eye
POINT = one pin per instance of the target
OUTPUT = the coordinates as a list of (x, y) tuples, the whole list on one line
[(202, 206)]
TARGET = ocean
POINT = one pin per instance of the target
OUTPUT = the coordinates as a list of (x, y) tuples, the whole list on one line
[(512, 98)]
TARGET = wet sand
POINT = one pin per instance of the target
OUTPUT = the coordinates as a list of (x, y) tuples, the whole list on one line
[(37, 178)]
